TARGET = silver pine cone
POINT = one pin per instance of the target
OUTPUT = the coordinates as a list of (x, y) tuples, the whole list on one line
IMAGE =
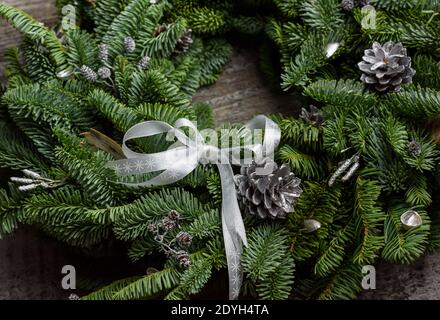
[(144, 62), (104, 73), (347, 5), (89, 74), (387, 67), (183, 259), (129, 44), (184, 42), (103, 52), (414, 148), (363, 3), (272, 195)]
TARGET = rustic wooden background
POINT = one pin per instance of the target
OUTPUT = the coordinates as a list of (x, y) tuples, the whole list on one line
[(30, 264), (43, 10)]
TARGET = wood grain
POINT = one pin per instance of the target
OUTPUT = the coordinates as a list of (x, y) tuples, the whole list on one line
[(42, 10), (242, 92)]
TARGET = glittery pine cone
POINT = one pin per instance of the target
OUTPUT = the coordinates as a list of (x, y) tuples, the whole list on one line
[(129, 44), (347, 5), (272, 195), (89, 74), (414, 148), (184, 239), (103, 53), (104, 73), (144, 62), (184, 42), (183, 259), (385, 68)]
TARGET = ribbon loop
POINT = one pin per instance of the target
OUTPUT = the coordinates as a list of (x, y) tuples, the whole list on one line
[(184, 156)]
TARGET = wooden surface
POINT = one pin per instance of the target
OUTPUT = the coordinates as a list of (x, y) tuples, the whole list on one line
[(43, 10), (241, 92), (30, 265)]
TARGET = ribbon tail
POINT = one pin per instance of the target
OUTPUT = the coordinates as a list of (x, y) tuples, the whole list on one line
[(234, 233), (234, 250)]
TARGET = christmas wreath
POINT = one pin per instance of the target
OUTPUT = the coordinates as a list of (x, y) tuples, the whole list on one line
[(353, 175)]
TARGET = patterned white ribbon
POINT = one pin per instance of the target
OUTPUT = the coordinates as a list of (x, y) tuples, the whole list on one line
[(183, 157)]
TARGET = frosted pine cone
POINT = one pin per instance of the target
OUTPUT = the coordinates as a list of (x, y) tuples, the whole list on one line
[(363, 3), (89, 74), (184, 239), (152, 227), (184, 42), (129, 44), (183, 259), (144, 62), (168, 224), (103, 53), (273, 195), (347, 5), (174, 215), (104, 73), (387, 67)]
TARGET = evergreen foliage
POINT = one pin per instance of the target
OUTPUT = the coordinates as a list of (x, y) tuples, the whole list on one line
[(52, 103)]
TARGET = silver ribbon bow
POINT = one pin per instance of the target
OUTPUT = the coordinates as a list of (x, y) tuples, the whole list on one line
[(184, 156)]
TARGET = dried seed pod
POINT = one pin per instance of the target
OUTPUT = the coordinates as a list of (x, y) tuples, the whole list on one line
[(313, 117), (183, 259), (351, 171), (28, 187), (32, 174), (341, 169), (168, 224), (414, 148), (23, 180), (174, 215), (184, 42), (103, 53), (347, 5), (152, 227)]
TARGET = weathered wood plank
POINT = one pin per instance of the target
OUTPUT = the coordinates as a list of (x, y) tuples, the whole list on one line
[(42, 10), (242, 92)]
